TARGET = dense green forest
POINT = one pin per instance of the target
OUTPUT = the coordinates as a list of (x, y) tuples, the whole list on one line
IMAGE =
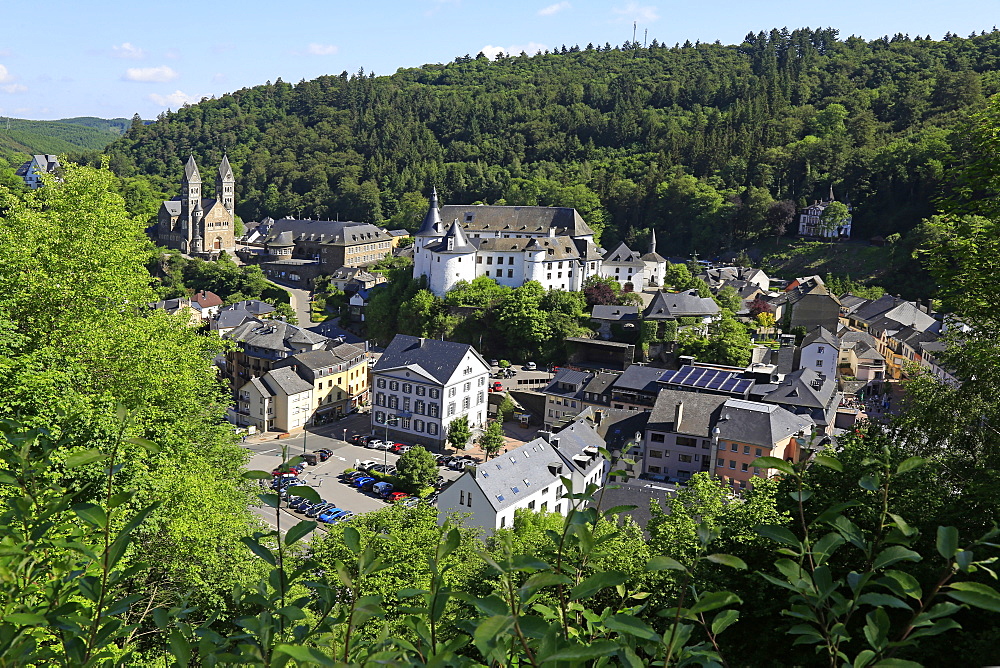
[(67, 135), (703, 142)]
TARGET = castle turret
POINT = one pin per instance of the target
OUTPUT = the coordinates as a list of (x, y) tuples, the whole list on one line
[(452, 259), (431, 230)]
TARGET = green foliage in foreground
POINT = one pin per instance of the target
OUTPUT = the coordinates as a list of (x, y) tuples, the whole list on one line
[(393, 587)]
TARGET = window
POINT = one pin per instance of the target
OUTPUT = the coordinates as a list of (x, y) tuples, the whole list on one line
[(479, 397), (658, 454), (407, 388), (531, 505), (558, 508), (654, 469), (743, 467), (379, 399), (549, 276), (720, 462), (503, 521), (545, 491), (435, 393), (380, 382), (393, 385), (452, 391), (432, 428), (821, 350), (465, 403), (684, 458), (418, 425), (451, 408), (421, 391), (419, 407), (759, 452), (482, 381), (432, 410), (380, 417), (732, 463), (467, 387), (468, 500), (656, 438), (746, 449), (406, 403), (734, 447), (510, 273), (479, 260), (461, 497), (489, 260), (687, 441), (819, 364)]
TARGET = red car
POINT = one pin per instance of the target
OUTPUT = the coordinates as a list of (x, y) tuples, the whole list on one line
[(396, 496), (496, 387), (396, 447)]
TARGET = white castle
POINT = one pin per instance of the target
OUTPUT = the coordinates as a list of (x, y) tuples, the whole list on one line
[(516, 244)]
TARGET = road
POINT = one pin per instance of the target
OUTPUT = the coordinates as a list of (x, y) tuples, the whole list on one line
[(300, 302)]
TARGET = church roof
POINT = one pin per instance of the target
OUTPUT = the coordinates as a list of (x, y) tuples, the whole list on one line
[(432, 226), (225, 171), (336, 232), (191, 174), (622, 255)]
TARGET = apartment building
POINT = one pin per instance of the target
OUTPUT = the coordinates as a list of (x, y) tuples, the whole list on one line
[(419, 386)]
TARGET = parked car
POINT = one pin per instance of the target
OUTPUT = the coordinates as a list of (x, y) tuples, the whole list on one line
[(379, 444), (316, 510), (530, 366), (306, 507), (396, 496), (367, 465), (397, 447), (299, 504), (494, 362), (403, 450), (442, 460), (379, 468), (359, 482), (330, 514), (343, 516), (311, 458), (283, 470), (411, 502), (359, 439), (497, 386), (382, 488), (459, 463)]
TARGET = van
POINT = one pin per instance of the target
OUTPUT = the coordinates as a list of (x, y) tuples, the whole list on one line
[(382, 489)]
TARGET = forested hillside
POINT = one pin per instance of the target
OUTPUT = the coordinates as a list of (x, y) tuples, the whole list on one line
[(697, 141), (67, 135)]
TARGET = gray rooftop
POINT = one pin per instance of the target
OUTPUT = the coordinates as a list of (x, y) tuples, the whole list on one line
[(639, 378), (275, 335), (517, 219), (334, 232), (820, 334), (615, 313), (438, 358), (286, 380), (758, 423), (623, 255), (698, 412), (687, 304), (563, 248)]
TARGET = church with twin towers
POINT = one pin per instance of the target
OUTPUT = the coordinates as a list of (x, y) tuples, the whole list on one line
[(516, 244), (197, 225)]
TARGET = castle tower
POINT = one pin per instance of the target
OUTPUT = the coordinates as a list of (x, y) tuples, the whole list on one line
[(225, 184), (430, 232), (451, 260)]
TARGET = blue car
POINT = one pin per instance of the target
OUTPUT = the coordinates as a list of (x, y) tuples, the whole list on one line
[(308, 508), (360, 482), (343, 517), (331, 514), (299, 503)]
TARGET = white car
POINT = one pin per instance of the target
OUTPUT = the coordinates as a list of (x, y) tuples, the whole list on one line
[(379, 444), (367, 464), (530, 366)]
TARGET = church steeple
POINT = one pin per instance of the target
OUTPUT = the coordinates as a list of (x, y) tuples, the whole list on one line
[(652, 242), (225, 184), (190, 188)]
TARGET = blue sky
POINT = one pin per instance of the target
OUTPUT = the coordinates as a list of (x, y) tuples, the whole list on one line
[(68, 58)]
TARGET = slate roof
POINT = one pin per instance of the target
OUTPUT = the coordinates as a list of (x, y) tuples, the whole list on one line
[(173, 205), (698, 413), (623, 255), (454, 242), (850, 303), (171, 305), (46, 162), (758, 423), (653, 257), (570, 377), (431, 225), (323, 358), (668, 306), (587, 250), (253, 306), (614, 313), (191, 170), (439, 359), (820, 334), (333, 232), (230, 319), (225, 170), (563, 248), (863, 344), (639, 378), (285, 379), (601, 383), (517, 219), (274, 335)]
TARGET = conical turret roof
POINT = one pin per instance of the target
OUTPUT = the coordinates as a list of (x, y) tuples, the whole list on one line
[(455, 241), (432, 227), (225, 171), (191, 170)]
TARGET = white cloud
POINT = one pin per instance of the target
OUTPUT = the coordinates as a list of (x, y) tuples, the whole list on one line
[(8, 81), (128, 50), (5, 75), (13, 88), (553, 9), (633, 11), (322, 49), (174, 100), (151, 74), (531, 48)]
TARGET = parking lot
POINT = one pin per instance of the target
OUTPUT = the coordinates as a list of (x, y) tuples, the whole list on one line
[(324, 477)]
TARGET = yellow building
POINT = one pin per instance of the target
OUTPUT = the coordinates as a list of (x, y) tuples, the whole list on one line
[(339, 379)]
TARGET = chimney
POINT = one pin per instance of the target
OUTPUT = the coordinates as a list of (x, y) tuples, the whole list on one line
[(598, 417), (552, 232), (678, 414), (554, 442)]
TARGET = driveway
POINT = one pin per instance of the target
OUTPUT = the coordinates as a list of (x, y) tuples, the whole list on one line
[(300, 302)]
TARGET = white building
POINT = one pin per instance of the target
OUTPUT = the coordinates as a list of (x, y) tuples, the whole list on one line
[(528, 477), (510, 244), (625, 266), (655, 265), (32, 170), (820, 351), (811, 225), (419, 386)]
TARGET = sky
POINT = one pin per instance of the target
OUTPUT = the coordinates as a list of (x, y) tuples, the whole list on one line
[(67, 58)]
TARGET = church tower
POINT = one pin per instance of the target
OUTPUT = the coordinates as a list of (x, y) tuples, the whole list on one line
[(190, 192), (225, 184)]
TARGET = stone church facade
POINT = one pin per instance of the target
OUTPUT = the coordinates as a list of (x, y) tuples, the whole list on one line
[(197, 225)]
